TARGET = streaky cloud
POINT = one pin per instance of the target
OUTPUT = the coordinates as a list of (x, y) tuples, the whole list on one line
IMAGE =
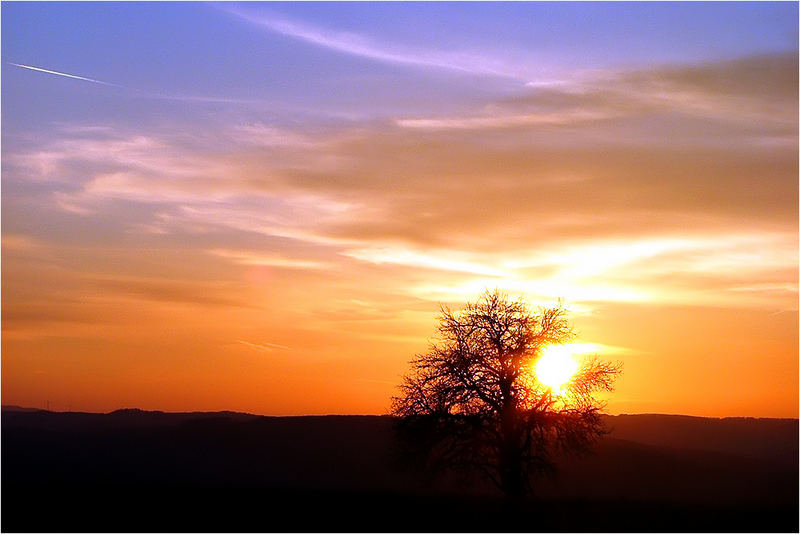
[(755, 90), (64, 74), (359, 45), (262, 260), (417, 259), (504, 121), (264, 346)]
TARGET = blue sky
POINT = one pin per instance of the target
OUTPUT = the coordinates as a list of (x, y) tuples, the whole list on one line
[(183, 60)]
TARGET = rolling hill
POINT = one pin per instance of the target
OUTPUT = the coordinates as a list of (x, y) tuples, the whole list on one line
[(137, 470)]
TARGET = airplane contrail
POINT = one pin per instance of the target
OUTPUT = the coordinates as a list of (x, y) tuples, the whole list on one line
[(139, 93), (63, 74)]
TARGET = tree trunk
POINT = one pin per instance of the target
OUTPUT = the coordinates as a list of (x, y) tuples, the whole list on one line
[(511, 453), (511, 473)]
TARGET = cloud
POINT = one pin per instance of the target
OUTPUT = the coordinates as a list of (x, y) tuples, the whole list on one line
[(263, 346), (54, 295), (347, 186), (101, 167), (505, 121), (411, 258), (165, 290), (20, 243), (647, 189), (18, 315), (362, 46), (787, 287), (681, 269), (269, 136), (588, 349), (266, 260), (759, 92)]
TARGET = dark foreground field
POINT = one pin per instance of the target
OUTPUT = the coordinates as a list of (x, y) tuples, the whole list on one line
[(153, 471)]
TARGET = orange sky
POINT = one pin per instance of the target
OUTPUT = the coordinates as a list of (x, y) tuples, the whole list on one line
[(295, 267)]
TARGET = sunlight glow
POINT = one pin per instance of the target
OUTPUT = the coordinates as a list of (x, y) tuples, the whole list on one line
[(556, 366)]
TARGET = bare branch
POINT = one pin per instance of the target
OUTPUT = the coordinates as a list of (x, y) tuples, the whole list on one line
[(470, 402)]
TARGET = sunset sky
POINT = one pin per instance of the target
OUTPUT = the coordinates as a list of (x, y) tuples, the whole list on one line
[(260, 207)]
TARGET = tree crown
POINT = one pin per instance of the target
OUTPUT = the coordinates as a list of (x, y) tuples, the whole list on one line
[(475, 398)]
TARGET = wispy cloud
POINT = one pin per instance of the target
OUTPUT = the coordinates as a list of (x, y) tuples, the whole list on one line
[(444, 260), (505, 121), (15, 242), (760, 90), (660, 270), (64, 74), (587, 349), (359, 45), (263, 346), (449, 210), (203, 293), (265, 260)]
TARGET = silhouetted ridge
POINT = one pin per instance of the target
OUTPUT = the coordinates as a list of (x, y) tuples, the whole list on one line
[(248, 472), (13, 408)]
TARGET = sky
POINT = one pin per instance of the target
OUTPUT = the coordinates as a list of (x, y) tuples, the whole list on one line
[(261, 207)]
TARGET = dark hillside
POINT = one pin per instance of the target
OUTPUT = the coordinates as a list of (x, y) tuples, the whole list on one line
[(144, 471), (763, 438)]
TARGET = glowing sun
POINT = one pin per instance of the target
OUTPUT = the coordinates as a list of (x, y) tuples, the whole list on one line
[(556, 366)]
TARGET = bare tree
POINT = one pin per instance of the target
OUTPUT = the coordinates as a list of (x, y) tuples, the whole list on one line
[(473, 401)]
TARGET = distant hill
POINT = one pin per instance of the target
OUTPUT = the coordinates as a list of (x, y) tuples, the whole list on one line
[(741, 469), (12, 408), (763, 438)]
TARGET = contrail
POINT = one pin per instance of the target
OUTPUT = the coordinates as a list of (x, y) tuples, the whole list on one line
[(140, 93), (63, 74)]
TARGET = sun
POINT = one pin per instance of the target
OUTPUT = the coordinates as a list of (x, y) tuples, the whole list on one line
[(556, 366)]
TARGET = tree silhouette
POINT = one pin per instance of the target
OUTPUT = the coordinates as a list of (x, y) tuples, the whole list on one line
[(473, 402)]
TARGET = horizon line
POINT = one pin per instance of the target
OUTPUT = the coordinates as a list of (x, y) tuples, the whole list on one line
[(17, 408)]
